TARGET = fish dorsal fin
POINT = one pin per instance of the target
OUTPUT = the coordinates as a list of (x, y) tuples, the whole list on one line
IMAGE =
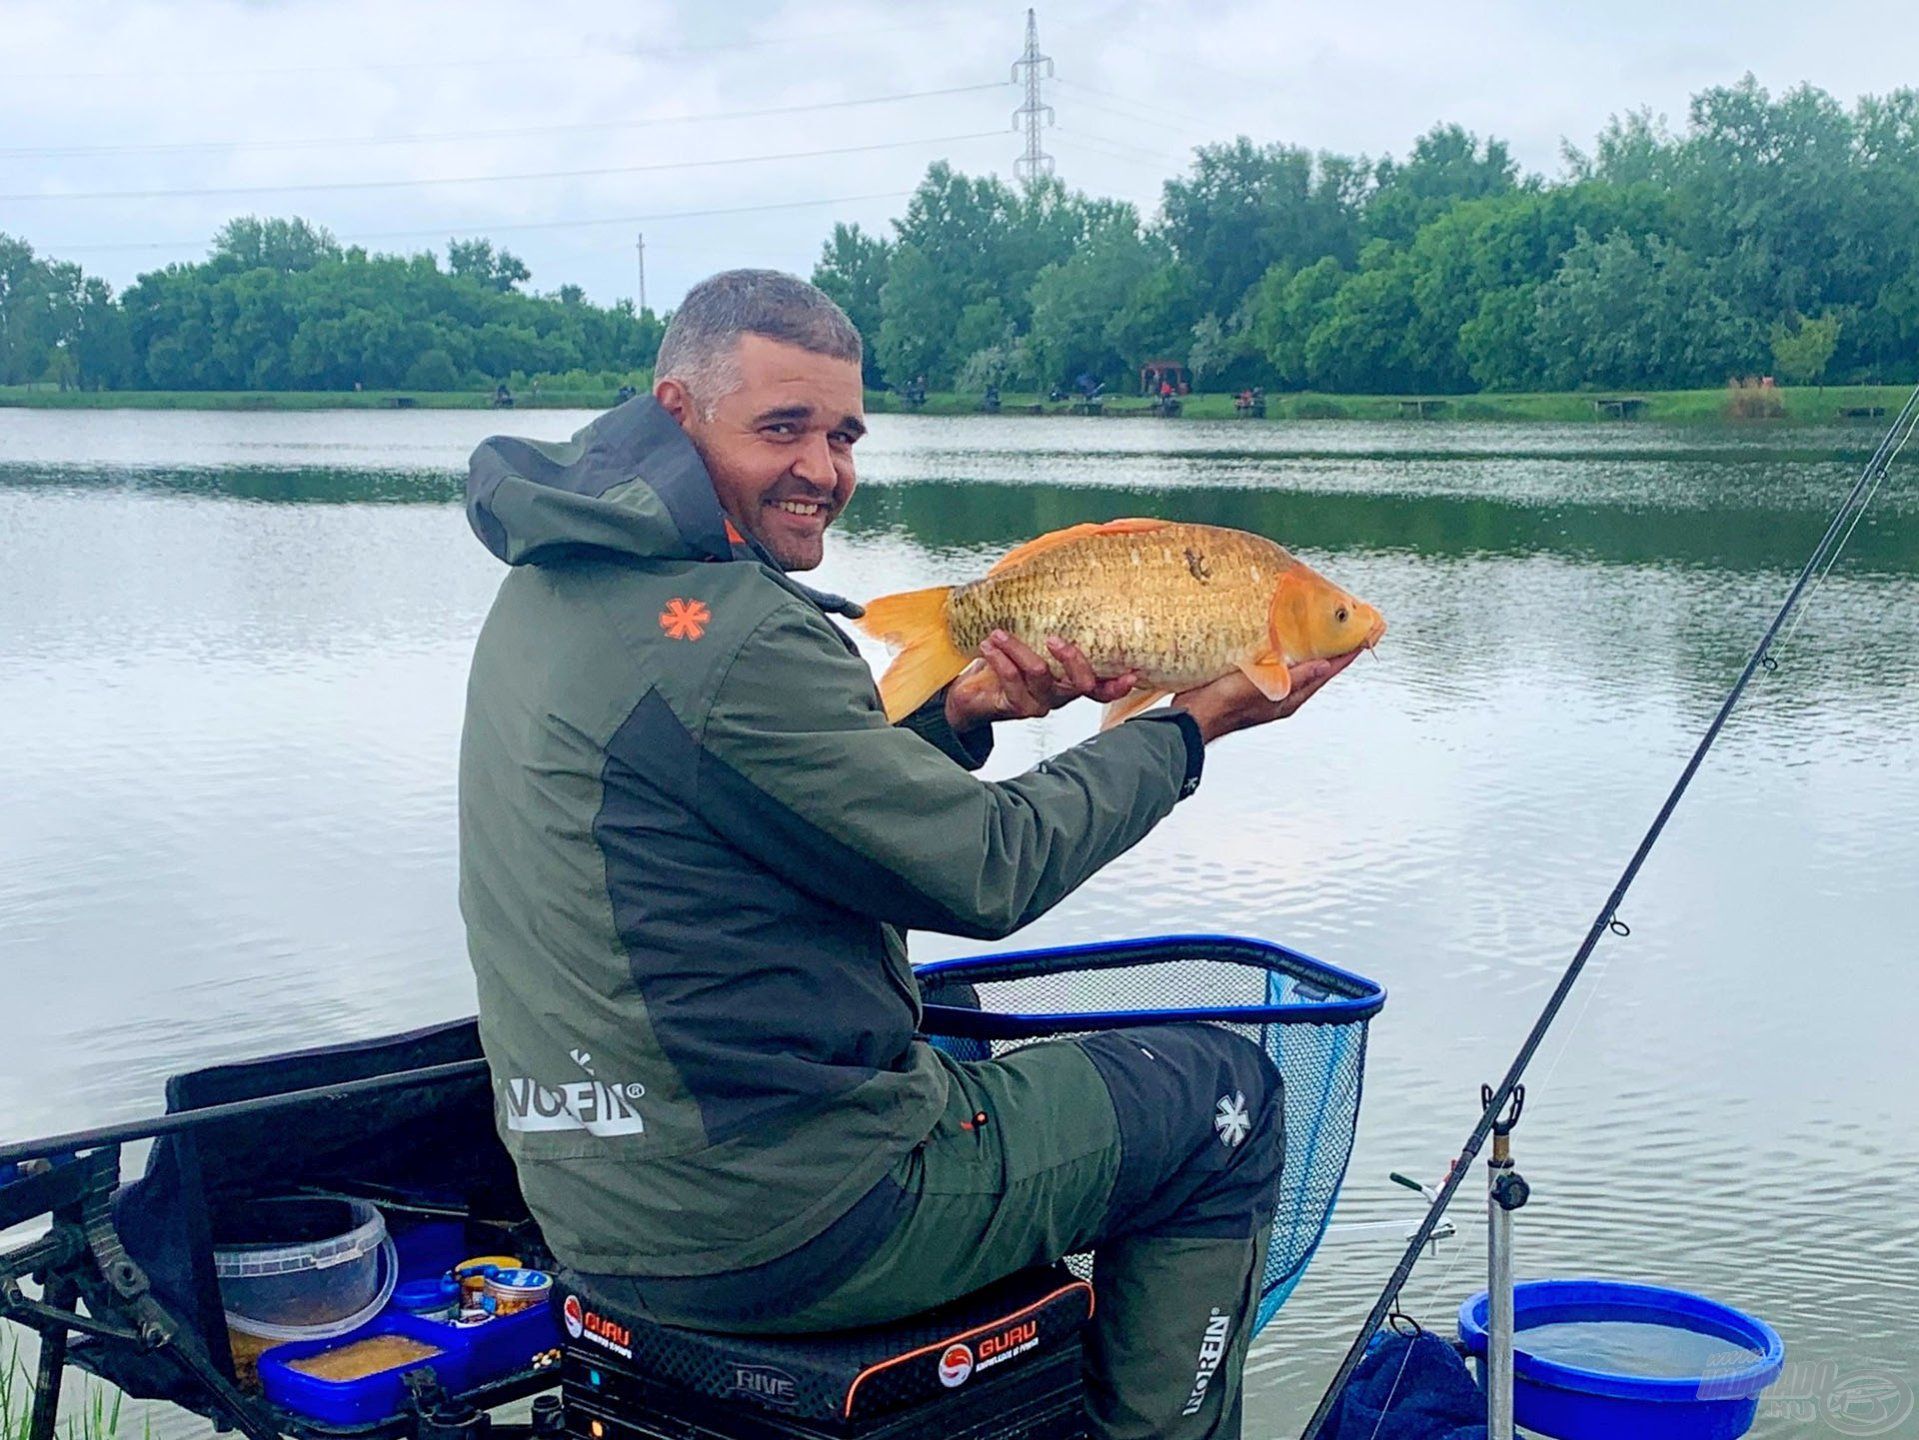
[(1039, 546)]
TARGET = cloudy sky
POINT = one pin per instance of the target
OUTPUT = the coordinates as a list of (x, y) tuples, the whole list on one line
[(736, 133)]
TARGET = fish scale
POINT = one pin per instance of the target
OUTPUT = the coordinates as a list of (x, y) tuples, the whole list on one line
[(1181, 604)]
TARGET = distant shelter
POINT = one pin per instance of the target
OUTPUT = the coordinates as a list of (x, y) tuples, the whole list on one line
[(1155, 374)]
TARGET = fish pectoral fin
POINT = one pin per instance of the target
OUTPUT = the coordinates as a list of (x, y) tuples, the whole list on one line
[(1270, 675), (1040, 545), (1127, 706)]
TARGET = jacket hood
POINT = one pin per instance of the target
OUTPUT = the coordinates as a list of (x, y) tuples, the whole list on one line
[(629, 483)]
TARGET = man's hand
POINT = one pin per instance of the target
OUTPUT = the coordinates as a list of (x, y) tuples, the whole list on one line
[(1233, 702), (1011, 681)]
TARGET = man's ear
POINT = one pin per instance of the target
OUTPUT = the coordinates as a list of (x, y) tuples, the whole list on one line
[(676, 400)]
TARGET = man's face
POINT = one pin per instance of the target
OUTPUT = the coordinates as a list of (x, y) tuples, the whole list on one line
[(780, 446)]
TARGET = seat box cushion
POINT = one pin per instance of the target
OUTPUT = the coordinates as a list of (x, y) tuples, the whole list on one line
[(843, 1377)]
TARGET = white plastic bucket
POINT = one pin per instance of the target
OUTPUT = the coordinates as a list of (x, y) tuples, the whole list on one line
[(334, 1277)]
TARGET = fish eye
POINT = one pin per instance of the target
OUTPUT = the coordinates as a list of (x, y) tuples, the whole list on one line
[(1340, 614)]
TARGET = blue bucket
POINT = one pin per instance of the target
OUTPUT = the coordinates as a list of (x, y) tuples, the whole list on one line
[(1570, 1402)]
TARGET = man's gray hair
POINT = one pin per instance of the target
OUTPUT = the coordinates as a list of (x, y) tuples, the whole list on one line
[(700, 343)]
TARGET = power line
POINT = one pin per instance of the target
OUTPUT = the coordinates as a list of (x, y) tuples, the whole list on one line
[(1131, 117), (1140, 104), (629, 219), (512, 132), (433, 232), (410, 184), (493, 62), (1243, 82), (1116, 146)]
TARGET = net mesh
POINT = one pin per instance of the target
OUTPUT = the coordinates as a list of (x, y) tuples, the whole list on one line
[(1298, 1011)]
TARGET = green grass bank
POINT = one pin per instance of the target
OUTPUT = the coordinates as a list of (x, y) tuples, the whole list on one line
[(1803, 405), (41, 397)]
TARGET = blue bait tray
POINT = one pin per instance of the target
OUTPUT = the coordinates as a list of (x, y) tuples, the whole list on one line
[(470, 1357)]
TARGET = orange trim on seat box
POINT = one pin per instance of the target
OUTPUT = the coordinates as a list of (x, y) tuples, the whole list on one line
[(964, 1335)]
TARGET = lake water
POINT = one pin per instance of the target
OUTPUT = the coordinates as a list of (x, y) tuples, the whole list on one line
[(232, 653), (1636, 1348)]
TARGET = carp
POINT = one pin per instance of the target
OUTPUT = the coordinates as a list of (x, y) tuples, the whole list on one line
[(1177, 604)]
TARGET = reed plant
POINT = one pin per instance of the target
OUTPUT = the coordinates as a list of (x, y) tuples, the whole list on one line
[(1753, 397), (95, 1413)]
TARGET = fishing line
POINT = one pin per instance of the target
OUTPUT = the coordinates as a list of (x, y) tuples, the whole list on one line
[(1844, 519), (1437, 1291), (1844, 540)]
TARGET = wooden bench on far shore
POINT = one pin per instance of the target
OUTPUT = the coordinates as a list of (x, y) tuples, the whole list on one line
[(1861, 412), (1420, 409), (1620, 407)]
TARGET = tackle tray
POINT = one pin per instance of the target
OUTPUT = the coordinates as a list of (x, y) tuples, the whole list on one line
[(137, 1259), (465, 1358)]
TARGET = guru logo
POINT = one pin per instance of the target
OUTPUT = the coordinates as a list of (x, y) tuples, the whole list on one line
[(574, 1316), (1016, 1340), (609, 1333), (956, 1366)]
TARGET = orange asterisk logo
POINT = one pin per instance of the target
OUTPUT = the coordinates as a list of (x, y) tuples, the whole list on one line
[(684, 619)]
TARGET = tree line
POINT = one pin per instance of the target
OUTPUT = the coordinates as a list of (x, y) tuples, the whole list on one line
[(282, 305), (1769, 235)]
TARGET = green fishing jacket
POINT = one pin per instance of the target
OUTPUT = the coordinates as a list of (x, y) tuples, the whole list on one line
[(689, 846)]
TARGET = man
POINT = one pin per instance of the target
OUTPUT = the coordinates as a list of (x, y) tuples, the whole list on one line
[(690, 843)]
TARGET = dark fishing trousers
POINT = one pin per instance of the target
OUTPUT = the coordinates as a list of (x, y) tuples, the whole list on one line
[(1157, 1149)]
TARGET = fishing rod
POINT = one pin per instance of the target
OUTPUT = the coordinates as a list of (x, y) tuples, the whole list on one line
[(1497, 1097), (75, 1141)]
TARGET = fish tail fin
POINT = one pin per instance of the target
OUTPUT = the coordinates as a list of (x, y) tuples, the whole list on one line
[(915, 620), (1127, 706)]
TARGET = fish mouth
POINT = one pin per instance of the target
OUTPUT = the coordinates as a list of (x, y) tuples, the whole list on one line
[(1377, 632)]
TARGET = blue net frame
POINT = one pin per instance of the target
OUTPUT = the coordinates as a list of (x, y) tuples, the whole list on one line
[(1309, 1017)]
